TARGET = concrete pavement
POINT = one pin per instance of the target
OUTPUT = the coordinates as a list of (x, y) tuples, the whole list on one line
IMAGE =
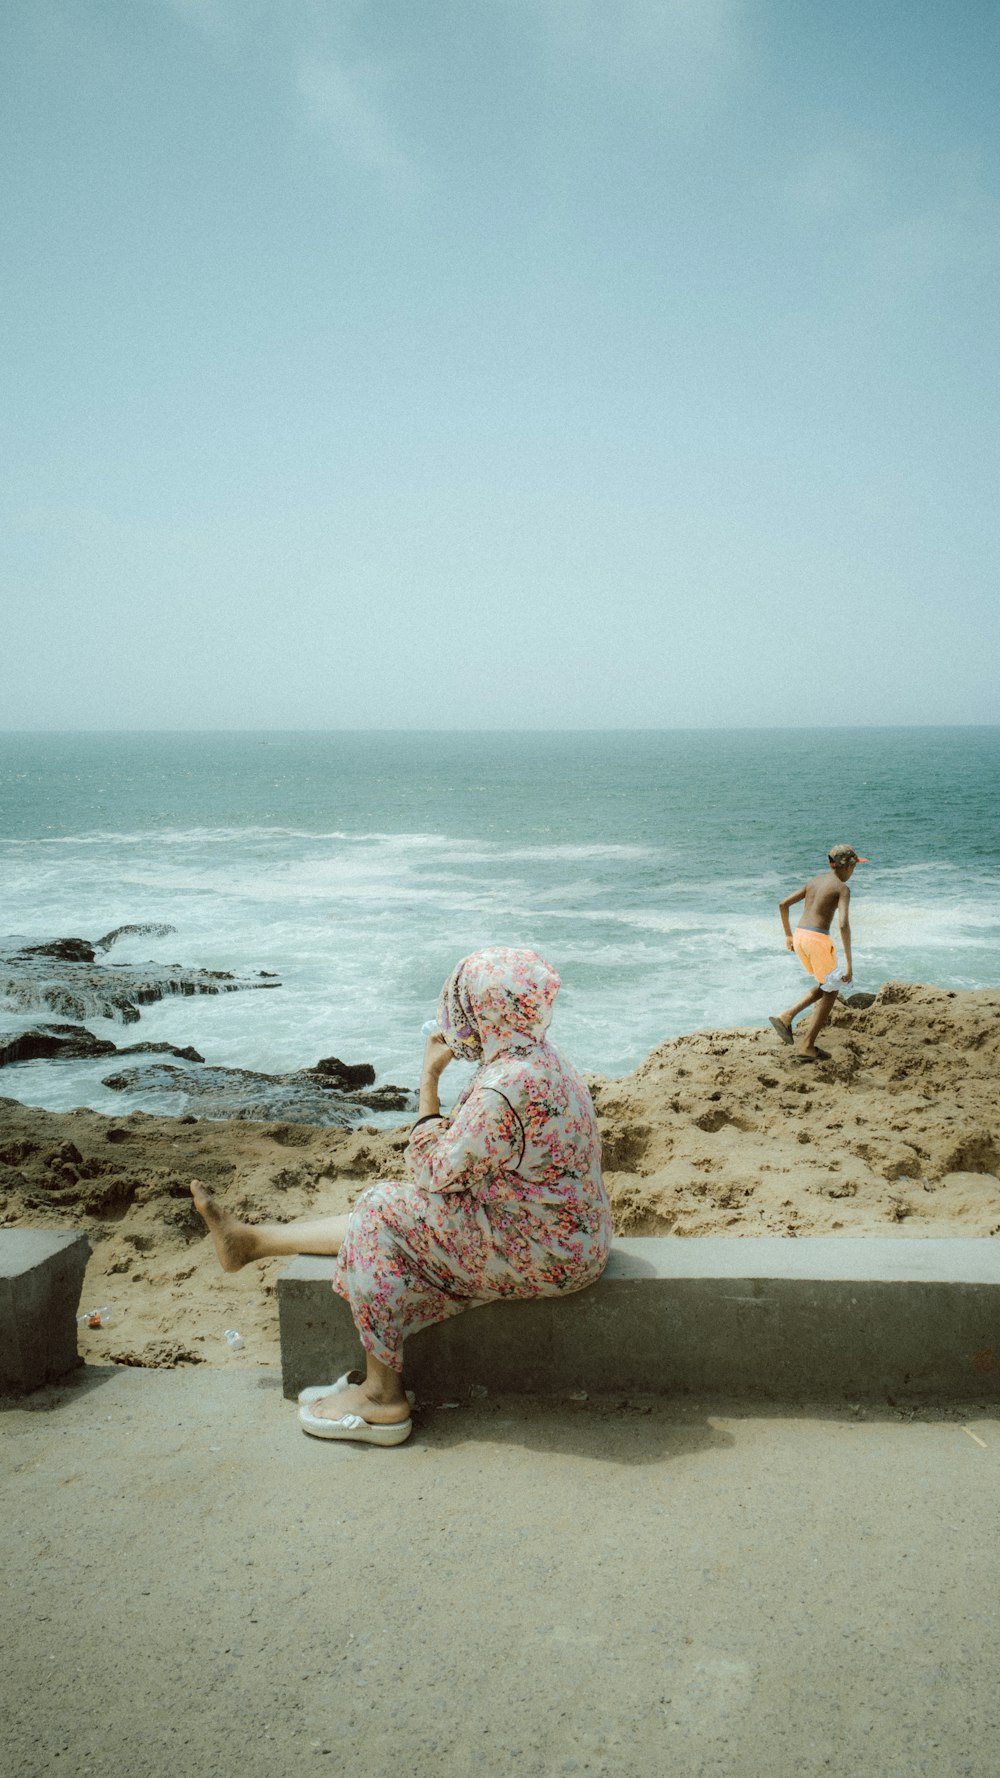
[(614, 1587)]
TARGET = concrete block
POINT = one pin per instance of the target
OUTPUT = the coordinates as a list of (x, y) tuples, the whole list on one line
[(764, 1317), (41, 1277)]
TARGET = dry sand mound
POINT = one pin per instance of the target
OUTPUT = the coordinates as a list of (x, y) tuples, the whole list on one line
[(719, 1132), (726, 1132)]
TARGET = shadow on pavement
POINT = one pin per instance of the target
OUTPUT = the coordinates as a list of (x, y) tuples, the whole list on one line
[(609, 1431)]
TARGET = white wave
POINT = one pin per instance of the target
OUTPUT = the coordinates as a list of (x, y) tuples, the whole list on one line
[(474, 851)]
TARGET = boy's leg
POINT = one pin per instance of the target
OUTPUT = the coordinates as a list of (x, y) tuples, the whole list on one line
[(827, 1002), (785, 1018)]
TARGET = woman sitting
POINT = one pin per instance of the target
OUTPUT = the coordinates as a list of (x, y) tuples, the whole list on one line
[(504, 1198)]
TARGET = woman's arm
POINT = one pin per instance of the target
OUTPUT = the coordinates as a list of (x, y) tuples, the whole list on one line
[(471, 1149), (437, 1055)]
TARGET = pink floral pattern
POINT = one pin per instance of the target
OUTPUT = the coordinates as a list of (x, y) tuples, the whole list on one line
[(505, 1198)]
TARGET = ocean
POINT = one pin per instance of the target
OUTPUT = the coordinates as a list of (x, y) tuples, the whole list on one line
[(359, 867)]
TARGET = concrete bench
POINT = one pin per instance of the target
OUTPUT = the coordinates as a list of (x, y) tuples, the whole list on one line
[(765, 1317), (41, 1277)]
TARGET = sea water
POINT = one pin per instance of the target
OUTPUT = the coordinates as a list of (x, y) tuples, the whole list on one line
[(360, 867)]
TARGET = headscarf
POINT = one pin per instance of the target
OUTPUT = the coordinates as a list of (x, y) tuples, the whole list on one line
[(497, 1000)]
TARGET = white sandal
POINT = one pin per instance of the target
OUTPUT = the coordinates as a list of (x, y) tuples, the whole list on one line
[(353, 1426), (316, 1391)]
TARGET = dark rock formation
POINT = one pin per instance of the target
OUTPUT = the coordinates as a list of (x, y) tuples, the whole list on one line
[(61, 976), (188, 1054), (64, 976), (387, 1098), (52, 1040), (67, 950), (150, 930), (300, 1098), (73, 1042), (331, 1071)]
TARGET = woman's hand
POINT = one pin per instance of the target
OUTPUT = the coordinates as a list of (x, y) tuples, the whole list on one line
[(437, 1055)]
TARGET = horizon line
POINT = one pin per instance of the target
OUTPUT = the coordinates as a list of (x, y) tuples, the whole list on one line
[(535, 729)]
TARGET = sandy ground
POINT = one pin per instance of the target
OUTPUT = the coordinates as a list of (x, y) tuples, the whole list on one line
[(623, 1590), (719, 1132)]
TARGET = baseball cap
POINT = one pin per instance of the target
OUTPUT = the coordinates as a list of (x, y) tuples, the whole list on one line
[(845, 855)]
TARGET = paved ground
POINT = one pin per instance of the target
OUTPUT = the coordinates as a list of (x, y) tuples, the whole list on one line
[(195, 1588)]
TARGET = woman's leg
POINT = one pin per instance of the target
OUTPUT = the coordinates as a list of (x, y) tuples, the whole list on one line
[(380, 1399), (238, 1243)]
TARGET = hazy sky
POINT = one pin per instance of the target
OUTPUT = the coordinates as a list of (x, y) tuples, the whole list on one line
[(502, 363)]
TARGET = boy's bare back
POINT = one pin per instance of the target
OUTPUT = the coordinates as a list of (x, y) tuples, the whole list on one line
[(824, 894)]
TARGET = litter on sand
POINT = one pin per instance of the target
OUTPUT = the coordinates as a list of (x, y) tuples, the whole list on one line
[(96, 1317)]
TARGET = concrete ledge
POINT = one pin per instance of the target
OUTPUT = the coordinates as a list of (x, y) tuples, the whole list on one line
[(756, 1316), (41, 1277)]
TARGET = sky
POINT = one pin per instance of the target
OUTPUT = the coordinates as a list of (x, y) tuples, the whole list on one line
[(499, 363)]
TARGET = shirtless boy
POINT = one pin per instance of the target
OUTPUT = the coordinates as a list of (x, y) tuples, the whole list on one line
[(824, 895)]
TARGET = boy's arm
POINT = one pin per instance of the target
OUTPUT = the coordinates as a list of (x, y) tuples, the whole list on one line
[(783, 907), (845, 931)]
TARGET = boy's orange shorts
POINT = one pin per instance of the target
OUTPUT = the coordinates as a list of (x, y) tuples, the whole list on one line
[(816, 952)]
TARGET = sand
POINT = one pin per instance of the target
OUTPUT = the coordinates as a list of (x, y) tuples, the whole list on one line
[(717, 1132)]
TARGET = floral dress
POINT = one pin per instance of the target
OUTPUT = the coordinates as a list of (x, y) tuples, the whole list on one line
[(505, 1198)]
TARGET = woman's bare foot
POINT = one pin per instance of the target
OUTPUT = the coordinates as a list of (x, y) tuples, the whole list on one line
[(359, 1398), (235, 1242)]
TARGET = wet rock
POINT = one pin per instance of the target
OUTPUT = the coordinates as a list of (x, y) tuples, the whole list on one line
[(75, 1042), (152, 929), (61, 976), (346, 1075), (242, 1094), (189, 1054), (68, 950), (52, 1040), (387, 1098)]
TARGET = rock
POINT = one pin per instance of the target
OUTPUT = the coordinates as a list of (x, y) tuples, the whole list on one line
[(858, 1002), (75, 1042), (52, 1040), (68, 950), (62, 977), (190, 1054), (152, 929), (346, 1075), (240, 1093), (387, 1098)]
